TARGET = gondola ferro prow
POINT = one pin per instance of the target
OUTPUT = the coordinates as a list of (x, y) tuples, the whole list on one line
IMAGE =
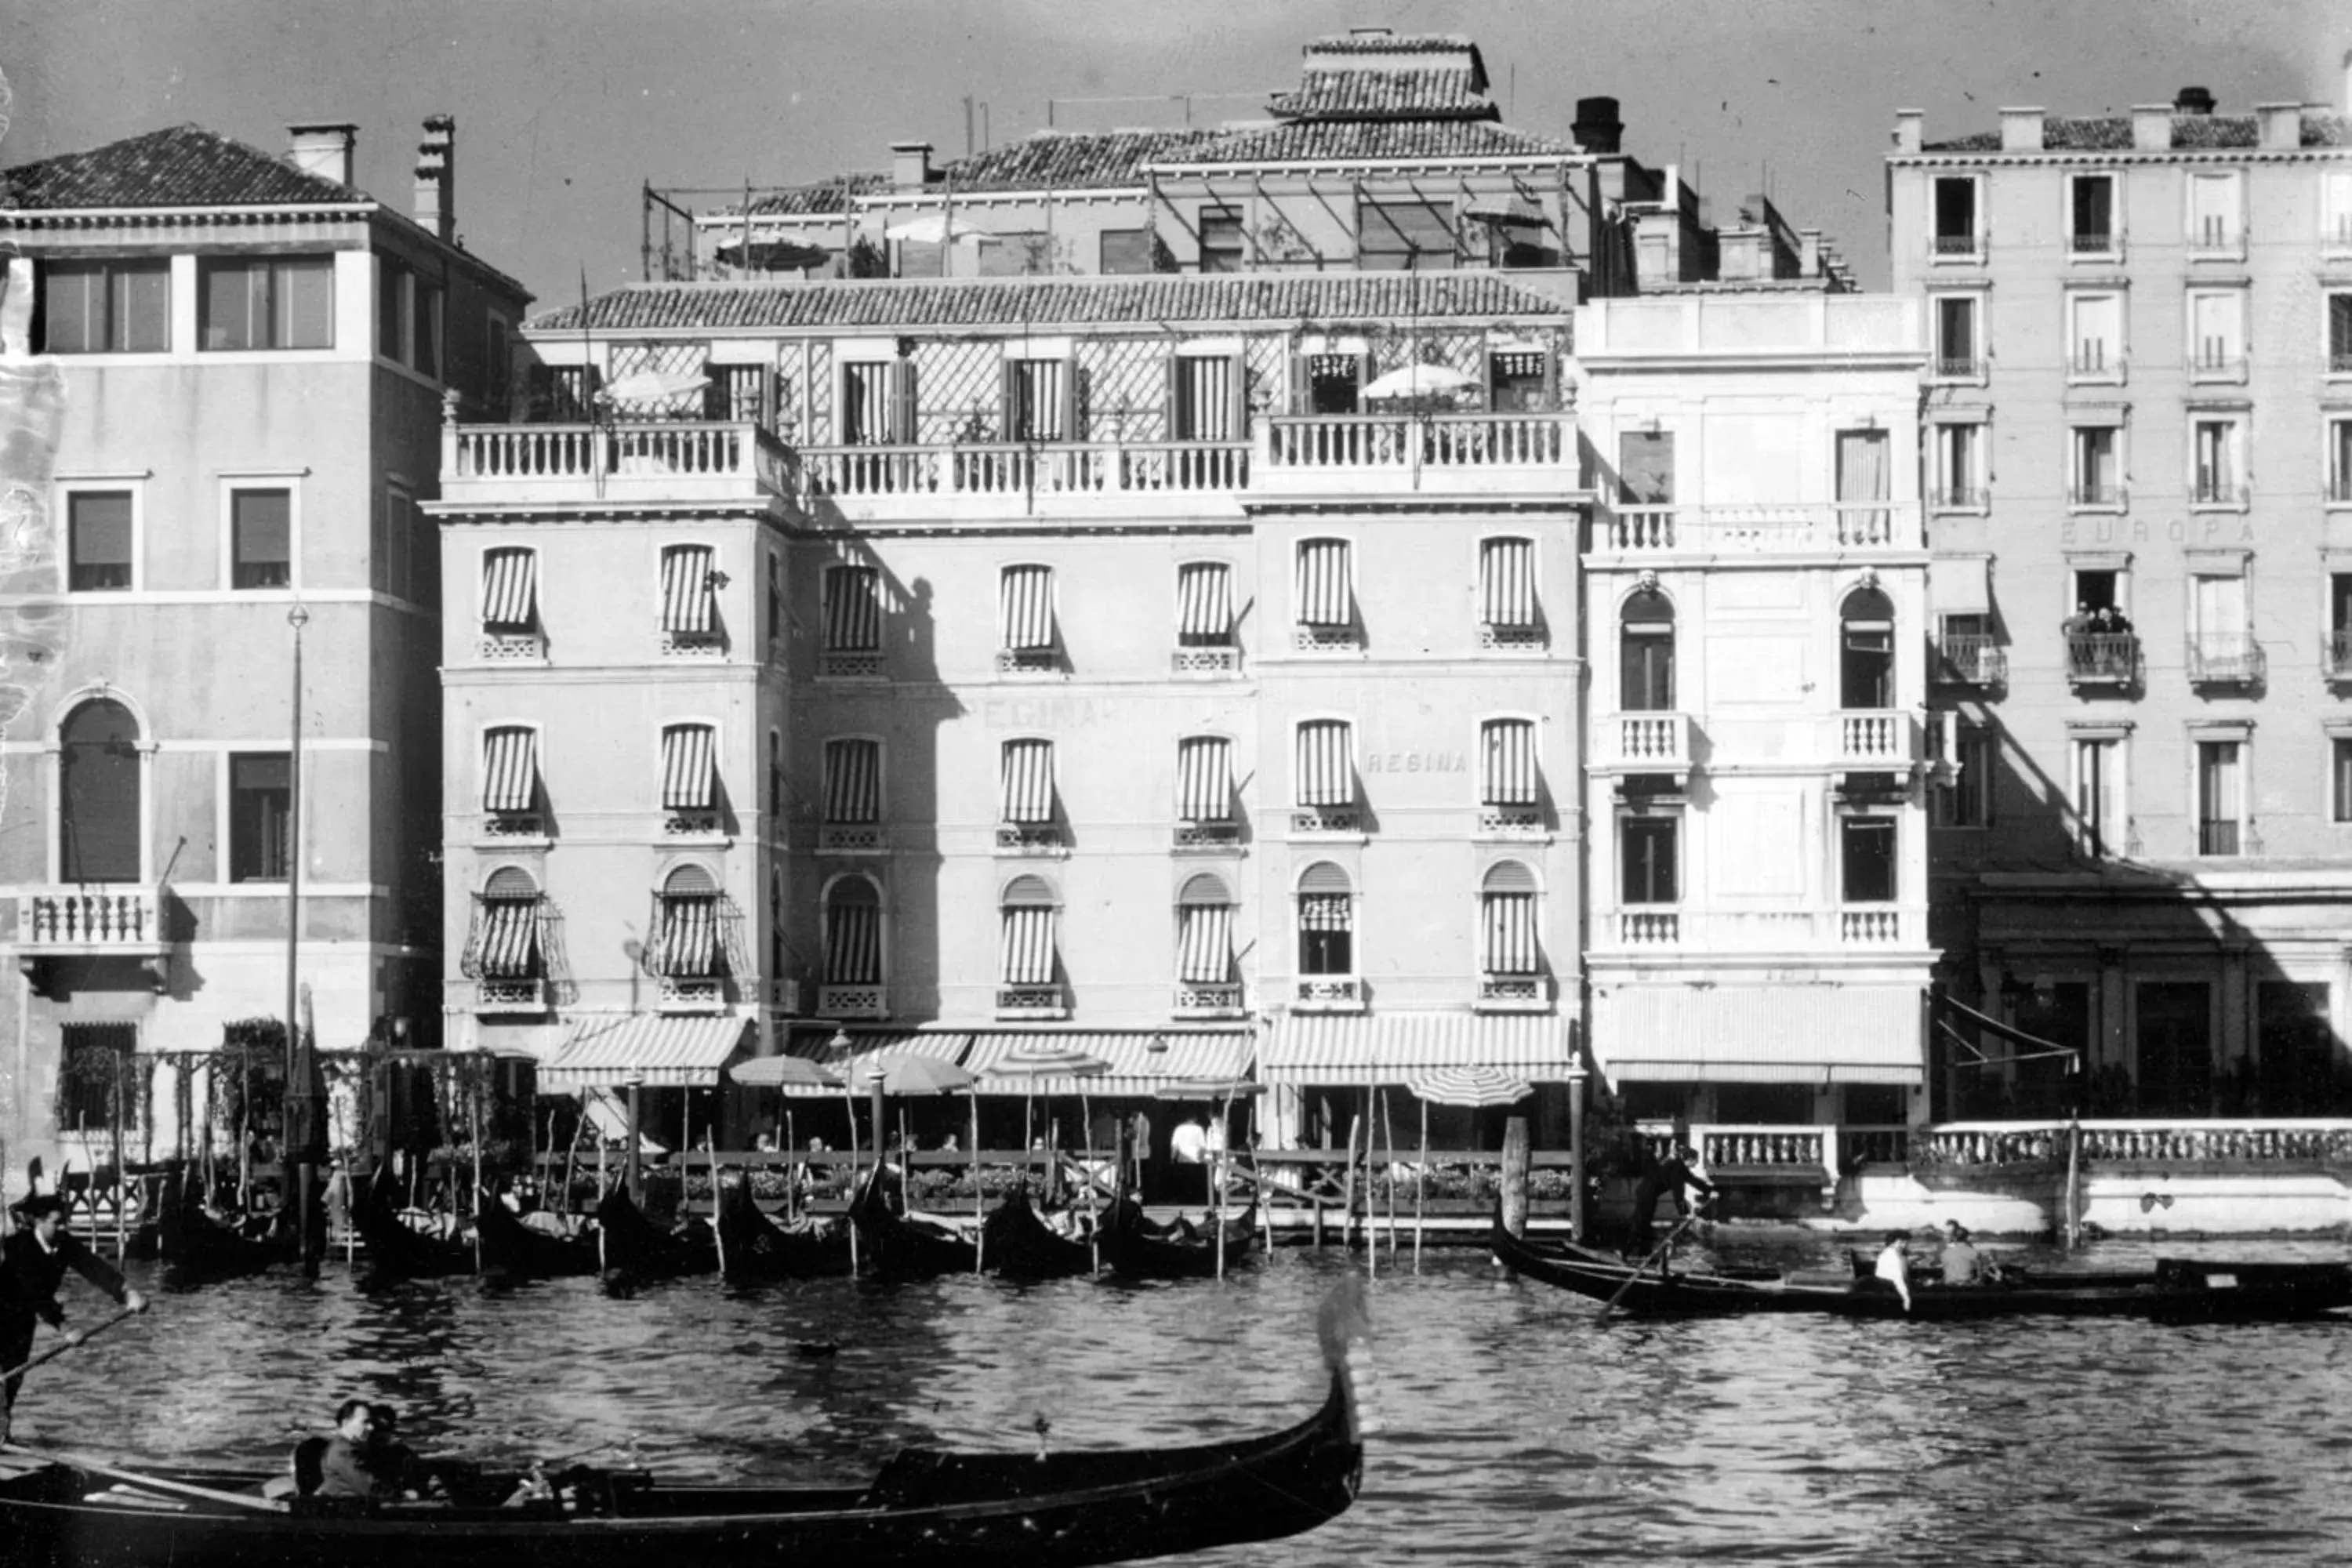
[(1343, 1324)]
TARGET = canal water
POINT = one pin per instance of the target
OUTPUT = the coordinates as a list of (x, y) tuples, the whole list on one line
[(1517, 1429)]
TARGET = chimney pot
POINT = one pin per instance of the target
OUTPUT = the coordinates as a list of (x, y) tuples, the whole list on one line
[(1597, 128), (2151, 127), (911, 165), (323, 148), (2280, 124), (2193, 100), (435, 205), (1910, 128), (2021, 131)]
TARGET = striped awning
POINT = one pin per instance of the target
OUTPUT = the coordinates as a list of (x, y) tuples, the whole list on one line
[(1205, 602), (688, 937), (1204, 779), (1506, 766), (1326, 911), (1960, 584), (1204, 944), (1028, 955), (1327, 772), (853, 775), (510, 769), (867, 395), (658, 1050), (1036, 400), (1506, 582), (852, 610), (689, 597), (816, 1043), (1759, 1034), (1028, 782), (509, 586), (507, 943), (1323, 599), (1206, 408), (852, 945), (1141, 1060), (1391, 1047), (1510, 934), (1026, 605), (690, 767)]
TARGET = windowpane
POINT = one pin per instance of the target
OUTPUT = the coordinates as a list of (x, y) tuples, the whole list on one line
[(1125, 251), (390, 297), (1649, 859), (1221, 241), (852, 610), (426, 357), (2339, 332), (2220, 805), (2099, 797), (2340, 771), (1956, 211), (2098, 332), (99, 778), (1646, 468), (73, 307), (305, 313), (139, 301), (1397, 237), (98, 527), (1867, 847), (260, 816), (260, 523), (2094, 212)]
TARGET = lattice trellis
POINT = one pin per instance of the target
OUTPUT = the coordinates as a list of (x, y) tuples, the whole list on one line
[(688, 357)]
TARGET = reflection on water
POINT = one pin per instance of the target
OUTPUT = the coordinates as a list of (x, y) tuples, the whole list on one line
[(1517, 1430)]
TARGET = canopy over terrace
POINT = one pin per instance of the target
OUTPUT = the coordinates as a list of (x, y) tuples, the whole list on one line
[(1142, 1062), (1324, 1051), (1818, 1034), (649, 1049)]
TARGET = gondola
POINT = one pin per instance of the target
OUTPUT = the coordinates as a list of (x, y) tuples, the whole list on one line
[(512, 1249), (903, 1247), (923, 1506), (638, 1250), (2180, 1289), (1018, 1243), (1134, 1248), (753, 1246), (397, 1249), (196, 1248)]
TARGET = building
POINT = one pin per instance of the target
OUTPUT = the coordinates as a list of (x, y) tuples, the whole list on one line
[(2140, 402), (243, 361)]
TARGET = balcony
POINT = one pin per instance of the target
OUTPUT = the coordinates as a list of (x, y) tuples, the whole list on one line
[(1030, 661), (1327, 639), (1499, 638), (506, 827), (2097, 497), (1031, 839), (1515, 821), (511, 646), (1955, 367), (2102, 659), (864, 1000), (2225, 658), (97, 921), (1207, 836), (1872, 740), (2339, 487), (1045, 1001), (1328, 993), (683, 645), (514, 995), (849, 663), (1633, 932), (2216, 238), (1958, 497), (1968, 659), (1224, 659), (1021, 473), (1800, 528), (852, 838), (1205, 999), (1512, 452), (2091, 362), (1325, 820), (2086, 245), (691, 994), (644, 460), (1958, 246), (1649, 928), (1514, 994), (1871, 925), (2217, 364), (700, 822)]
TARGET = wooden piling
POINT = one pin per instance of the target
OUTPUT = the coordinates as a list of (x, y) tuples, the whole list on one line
[(1518, 1156)]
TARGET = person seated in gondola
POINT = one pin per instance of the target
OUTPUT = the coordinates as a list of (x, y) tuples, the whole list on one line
[(1962, 1263), (356, 1463), (1894, 1265)]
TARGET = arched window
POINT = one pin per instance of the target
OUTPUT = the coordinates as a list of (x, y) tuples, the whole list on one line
[(1866, 650), (505, 940), (1027, 957), (98, 795), (1645, 654), (1327, 921), (853, 933), (685, 936), (1508, 942), (1204, 932)]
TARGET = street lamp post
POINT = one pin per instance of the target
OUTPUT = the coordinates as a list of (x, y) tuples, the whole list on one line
[(294, 1154)]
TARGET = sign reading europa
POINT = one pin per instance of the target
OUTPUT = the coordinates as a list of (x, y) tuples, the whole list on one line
[(2220, 528)]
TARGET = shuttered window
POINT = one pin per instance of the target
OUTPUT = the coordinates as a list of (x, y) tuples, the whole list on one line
[(508, 948), (878, 403), (853, 780), (689, 590), (1205, 398), (852, 610), (1327, 772), (1027, 957), (1507, 941), (1204, 933), (1027, 794), (510, 589), (1324, 599), (510, 769), (1506, 582), (1204, 775), (853, 934), (1506, 770), (1327, 919), (1025, 607), (1036, 405), (690, 767), (1205, 605), (687, 940)]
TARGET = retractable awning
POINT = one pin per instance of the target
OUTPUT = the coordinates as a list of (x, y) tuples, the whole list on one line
[(816, 1042), (1963, 1020), (1339, 1048), (650, 1049), (1674, 1033), (1141, 1060)]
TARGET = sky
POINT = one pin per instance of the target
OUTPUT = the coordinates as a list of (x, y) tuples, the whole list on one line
[(565, 108)]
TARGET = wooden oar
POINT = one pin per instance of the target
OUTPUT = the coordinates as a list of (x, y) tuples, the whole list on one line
[(149, 1483), (64, 1345), (1680, 1226)]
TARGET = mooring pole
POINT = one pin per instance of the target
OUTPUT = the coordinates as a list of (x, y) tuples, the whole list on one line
[(1516, 1156)]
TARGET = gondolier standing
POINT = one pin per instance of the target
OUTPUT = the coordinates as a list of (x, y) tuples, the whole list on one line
[(33, 1264)]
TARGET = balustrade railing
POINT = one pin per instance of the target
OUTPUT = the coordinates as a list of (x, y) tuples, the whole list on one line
[(1427, 440), (1658, 743), (2299, 1141), (1632, 529), (98, 917), (627, 449)]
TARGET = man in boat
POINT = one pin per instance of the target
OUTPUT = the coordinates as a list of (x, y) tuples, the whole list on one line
[(1894, 1265), (1962, 1263), (1659, 1177), (33, 1264)]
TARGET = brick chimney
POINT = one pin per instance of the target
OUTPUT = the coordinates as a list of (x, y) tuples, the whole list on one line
[(2021, 131), (436, 157), (2151, 127), (322, 148), (1910, 128), (911, 165)]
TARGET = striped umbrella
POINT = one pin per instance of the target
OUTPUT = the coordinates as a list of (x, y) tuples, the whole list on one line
[(907, 1072), (1473, 1086), (786, 1073)]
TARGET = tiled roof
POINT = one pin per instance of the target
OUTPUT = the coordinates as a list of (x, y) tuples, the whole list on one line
[(2113, 134), (1335, 296), (184, 166), (1362, 93), (1328, 141), (827, 197), (1068, 160)]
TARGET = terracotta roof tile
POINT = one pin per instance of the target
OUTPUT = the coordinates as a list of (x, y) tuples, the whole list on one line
[(184, 166), (1362, 93), (1072, 160), (2113, 134), (1317, 140), (1329, 297), (826, 197)]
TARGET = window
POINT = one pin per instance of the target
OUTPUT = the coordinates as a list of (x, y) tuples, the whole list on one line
[(261, 538), (1404, 236), (2221, 796), (1509, 773), (1326, 772), (2101, 819), (504, 944), (2336, 211), (99, 786), (2174, 1046), (1325, 595), (2338, 652), (2091, 225), (261, 817), (98, 1076), (1127, 251), (2339, 334), (688, 943), (2214, 221), (1967, 802), (411, 557), (878, 403), (1204, 936), (2098, 351), (853, 934), (2339, 778), (2217, 335), (105, 307), (922, 259), (1960, 342), (1645, 654), (1646, 468), (1333, 381), (1866, 859), (853, 782), (2339, 459), (2296, 1049), (1026, 958), (1205, 605), (689, 781), (510, 779), (1327, 921), (1220, 240), (1959, 483), (1865, 481), (852, 624), (1016, 255), (276, 303), (2101, 645), (1204, 780), (510, 592), (98, 540), (1957, 233), (1025, 603), (2220, 638), (1517, 381), (1037, 396), (1866, 651), (776, 627), (691, 580), (2217, 474), (1507, 616), (1205, 398), (1508, 943), (1026, 789), (408, 317), (1647, 848), (2094, 465)]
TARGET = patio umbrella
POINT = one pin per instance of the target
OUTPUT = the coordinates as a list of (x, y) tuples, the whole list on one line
[(1031, 1063), (786, 1073), (933, 228), (907, 1073), (657, 385), (1418, 380), (1224, 1091), (776, 255), (1473, 1087)]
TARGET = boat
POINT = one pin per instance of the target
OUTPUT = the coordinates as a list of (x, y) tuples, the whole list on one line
[(1135, 1248), (399, 1250), (513, 1249), (2178, 1290), (1018, 1243), (923, 1506), (754, 1247), (196, 1248), (904, 1246), (638, 1250)]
